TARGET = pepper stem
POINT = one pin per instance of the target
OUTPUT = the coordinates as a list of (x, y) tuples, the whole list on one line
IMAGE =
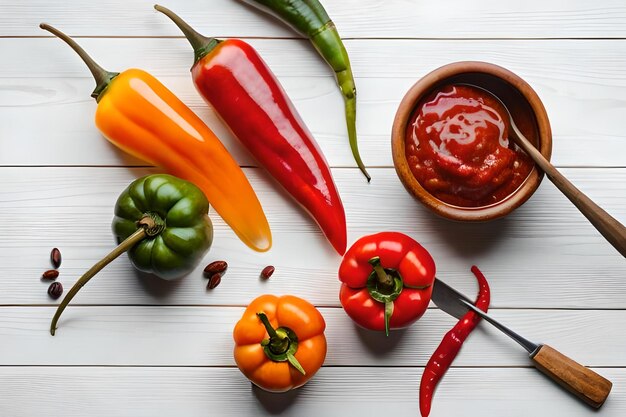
[(385, 281), (278, 341), (384, 286), (294, 362), (268, 327), (102, 76), (201, 44), (281, 345), (149, 226), (388, 314)]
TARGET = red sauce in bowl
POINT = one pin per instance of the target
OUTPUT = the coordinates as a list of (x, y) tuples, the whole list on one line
[(457, 147)]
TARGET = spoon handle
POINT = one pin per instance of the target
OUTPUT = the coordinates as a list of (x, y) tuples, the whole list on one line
[(613, 231)]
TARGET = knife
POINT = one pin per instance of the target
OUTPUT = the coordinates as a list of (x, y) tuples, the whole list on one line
[(587, 385)]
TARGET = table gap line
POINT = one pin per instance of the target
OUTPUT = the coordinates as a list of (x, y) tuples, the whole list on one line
[(259, 167), (347, 38), (317, 306), (323, 366)]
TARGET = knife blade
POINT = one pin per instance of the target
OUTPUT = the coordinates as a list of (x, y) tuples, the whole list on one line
[(586, 384), (456, 304)]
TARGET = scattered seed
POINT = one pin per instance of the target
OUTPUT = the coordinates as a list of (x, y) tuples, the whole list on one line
[(216, 267), (214, 281), (55, 258), (55, 290), (50, 275), (267, 272)]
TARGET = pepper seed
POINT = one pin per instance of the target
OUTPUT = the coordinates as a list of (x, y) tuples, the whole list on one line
[(214, 281), (267, 272), (50, 275), (216, 267), (55, 258), (55, 290)]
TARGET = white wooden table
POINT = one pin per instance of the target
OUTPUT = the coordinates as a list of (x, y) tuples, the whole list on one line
[(141, 347)]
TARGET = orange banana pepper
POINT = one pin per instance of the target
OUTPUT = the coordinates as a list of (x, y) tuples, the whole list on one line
[(280, 342), (138, 114)]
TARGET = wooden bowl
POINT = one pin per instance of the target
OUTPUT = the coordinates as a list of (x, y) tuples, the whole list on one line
[(520, 99)]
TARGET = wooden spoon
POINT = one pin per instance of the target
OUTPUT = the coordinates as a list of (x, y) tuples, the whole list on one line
[(612, 230)]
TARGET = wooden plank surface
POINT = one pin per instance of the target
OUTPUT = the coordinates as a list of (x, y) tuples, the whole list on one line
[(137, 346), (355, 18), (202, 336), (582, 86), (530, 256), (190, 392)]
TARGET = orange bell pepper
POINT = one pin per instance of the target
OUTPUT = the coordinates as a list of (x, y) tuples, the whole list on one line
[(138, 114), (280, 342)]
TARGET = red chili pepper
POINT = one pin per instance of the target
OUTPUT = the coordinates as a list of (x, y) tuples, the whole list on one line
[(451, 344), (234, 79), (387, 281)]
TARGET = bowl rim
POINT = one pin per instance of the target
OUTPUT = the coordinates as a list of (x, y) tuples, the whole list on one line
[(423, 86)]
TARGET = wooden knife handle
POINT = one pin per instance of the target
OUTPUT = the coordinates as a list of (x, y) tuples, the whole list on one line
[(577, 379)]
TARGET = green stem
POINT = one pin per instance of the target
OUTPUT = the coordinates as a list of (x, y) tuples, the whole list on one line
[(294, 362), (268, 326), (103, 77), (147, 227), (388, 314), (385, 281), (281, 345), (201, 44), (384, 287), (349, 99), (279, 340)]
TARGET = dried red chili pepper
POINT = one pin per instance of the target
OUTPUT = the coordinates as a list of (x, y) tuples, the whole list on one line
[(233, 78), (451, 344)]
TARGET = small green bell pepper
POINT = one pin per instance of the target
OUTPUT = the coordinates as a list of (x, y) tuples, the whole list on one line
[(162, 222), (177, 206)]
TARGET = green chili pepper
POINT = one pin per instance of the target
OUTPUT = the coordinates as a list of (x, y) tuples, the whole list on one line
[(309, 19), (162, 222)]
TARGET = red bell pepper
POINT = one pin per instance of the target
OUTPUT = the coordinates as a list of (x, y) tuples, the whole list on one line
[(386, 281), (233, 78)]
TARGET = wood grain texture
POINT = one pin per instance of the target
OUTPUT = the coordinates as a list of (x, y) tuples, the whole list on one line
[(136, 346), (583, 87), (583, 382), (534, 257), (191, 392), (354, 18), (202, 336), (592, 62)]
